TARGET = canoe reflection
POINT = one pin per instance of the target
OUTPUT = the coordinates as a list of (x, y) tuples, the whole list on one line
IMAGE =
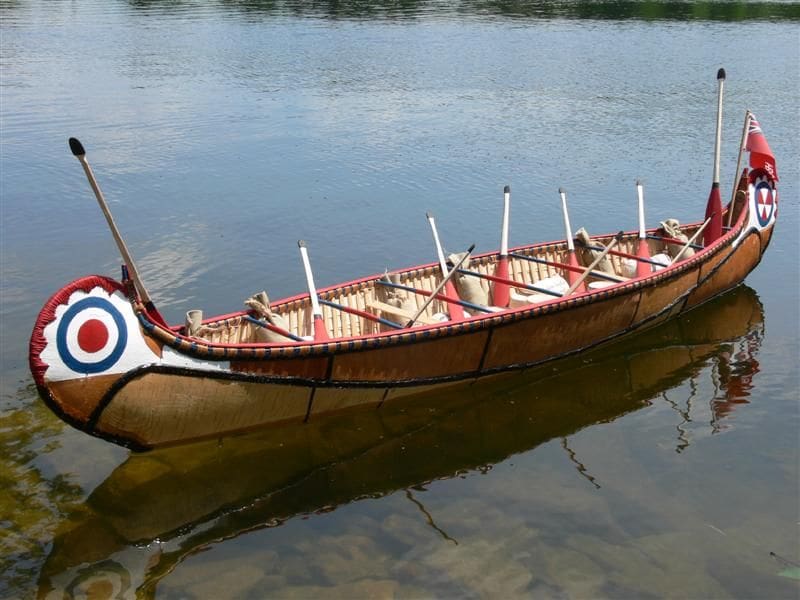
[(157, 508)]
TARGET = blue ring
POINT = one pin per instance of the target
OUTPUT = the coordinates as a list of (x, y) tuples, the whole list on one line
[(61, 336)]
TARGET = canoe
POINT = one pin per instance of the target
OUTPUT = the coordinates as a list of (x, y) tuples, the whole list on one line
[(105, 361), (158, 509)]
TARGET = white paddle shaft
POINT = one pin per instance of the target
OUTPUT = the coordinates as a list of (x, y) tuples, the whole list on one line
[(640, 194), (504, 232), (718, 141), (312, 289), (439, 250), (567, 226)]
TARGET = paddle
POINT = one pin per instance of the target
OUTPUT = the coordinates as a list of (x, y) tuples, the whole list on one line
[(714, 205), (566, 267), (318, 323), (78, 151), (742, 145), (501, 293), (691, 240), (669, 240), (361, 313), (440, 286), (454, 310), (442, 297), (573, 258), (595, 262), (509, 282), (643, 250), (274, 328), (628, 255)]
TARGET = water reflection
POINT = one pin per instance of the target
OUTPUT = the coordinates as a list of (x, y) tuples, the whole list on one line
[(522, 9), (156, 509)]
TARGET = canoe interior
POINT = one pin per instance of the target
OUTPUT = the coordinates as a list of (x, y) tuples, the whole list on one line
[(366, 294)]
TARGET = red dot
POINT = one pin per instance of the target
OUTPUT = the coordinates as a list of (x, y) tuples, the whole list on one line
[(92, 336)]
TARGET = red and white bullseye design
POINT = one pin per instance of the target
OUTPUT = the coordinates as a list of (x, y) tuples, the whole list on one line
[(91, 329), (91, 335)]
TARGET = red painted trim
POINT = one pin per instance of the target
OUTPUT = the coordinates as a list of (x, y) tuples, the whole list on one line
[(714, 212), (456, 311), (574, 271), (501, 292), (643, 269), (320, 330)]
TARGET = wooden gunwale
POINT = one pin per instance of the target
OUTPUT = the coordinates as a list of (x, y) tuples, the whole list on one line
[(295, 350)]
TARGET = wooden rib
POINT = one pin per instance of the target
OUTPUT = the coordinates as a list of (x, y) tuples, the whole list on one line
[(293, 328), (362, 305), (347, 318)]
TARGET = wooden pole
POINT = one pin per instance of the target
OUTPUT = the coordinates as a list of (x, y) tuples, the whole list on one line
[(595, 262), (747, 117), (274, 328), (454, 310), (509, 282), (440, 286), (576, 269), (78, 151), (442, 297), (361, 313), (691, 240)]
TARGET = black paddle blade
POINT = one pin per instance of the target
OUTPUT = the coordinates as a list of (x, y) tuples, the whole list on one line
[(721, 74), (76, 147), (507, 189)]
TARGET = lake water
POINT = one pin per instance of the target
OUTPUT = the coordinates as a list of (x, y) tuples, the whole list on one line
[(222, 132)]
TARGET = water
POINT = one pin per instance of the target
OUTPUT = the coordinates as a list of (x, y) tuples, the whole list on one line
[(223, 132)]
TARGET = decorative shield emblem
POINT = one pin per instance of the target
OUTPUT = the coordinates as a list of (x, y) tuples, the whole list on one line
[(91, 336), (87, 328), (764, 202)]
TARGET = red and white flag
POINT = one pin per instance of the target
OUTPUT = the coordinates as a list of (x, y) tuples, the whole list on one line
[(761, 156)]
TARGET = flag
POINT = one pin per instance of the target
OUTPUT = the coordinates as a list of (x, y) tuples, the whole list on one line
[(761, 156)]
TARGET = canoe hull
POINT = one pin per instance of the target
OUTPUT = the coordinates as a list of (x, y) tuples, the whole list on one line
[(104, 365)]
